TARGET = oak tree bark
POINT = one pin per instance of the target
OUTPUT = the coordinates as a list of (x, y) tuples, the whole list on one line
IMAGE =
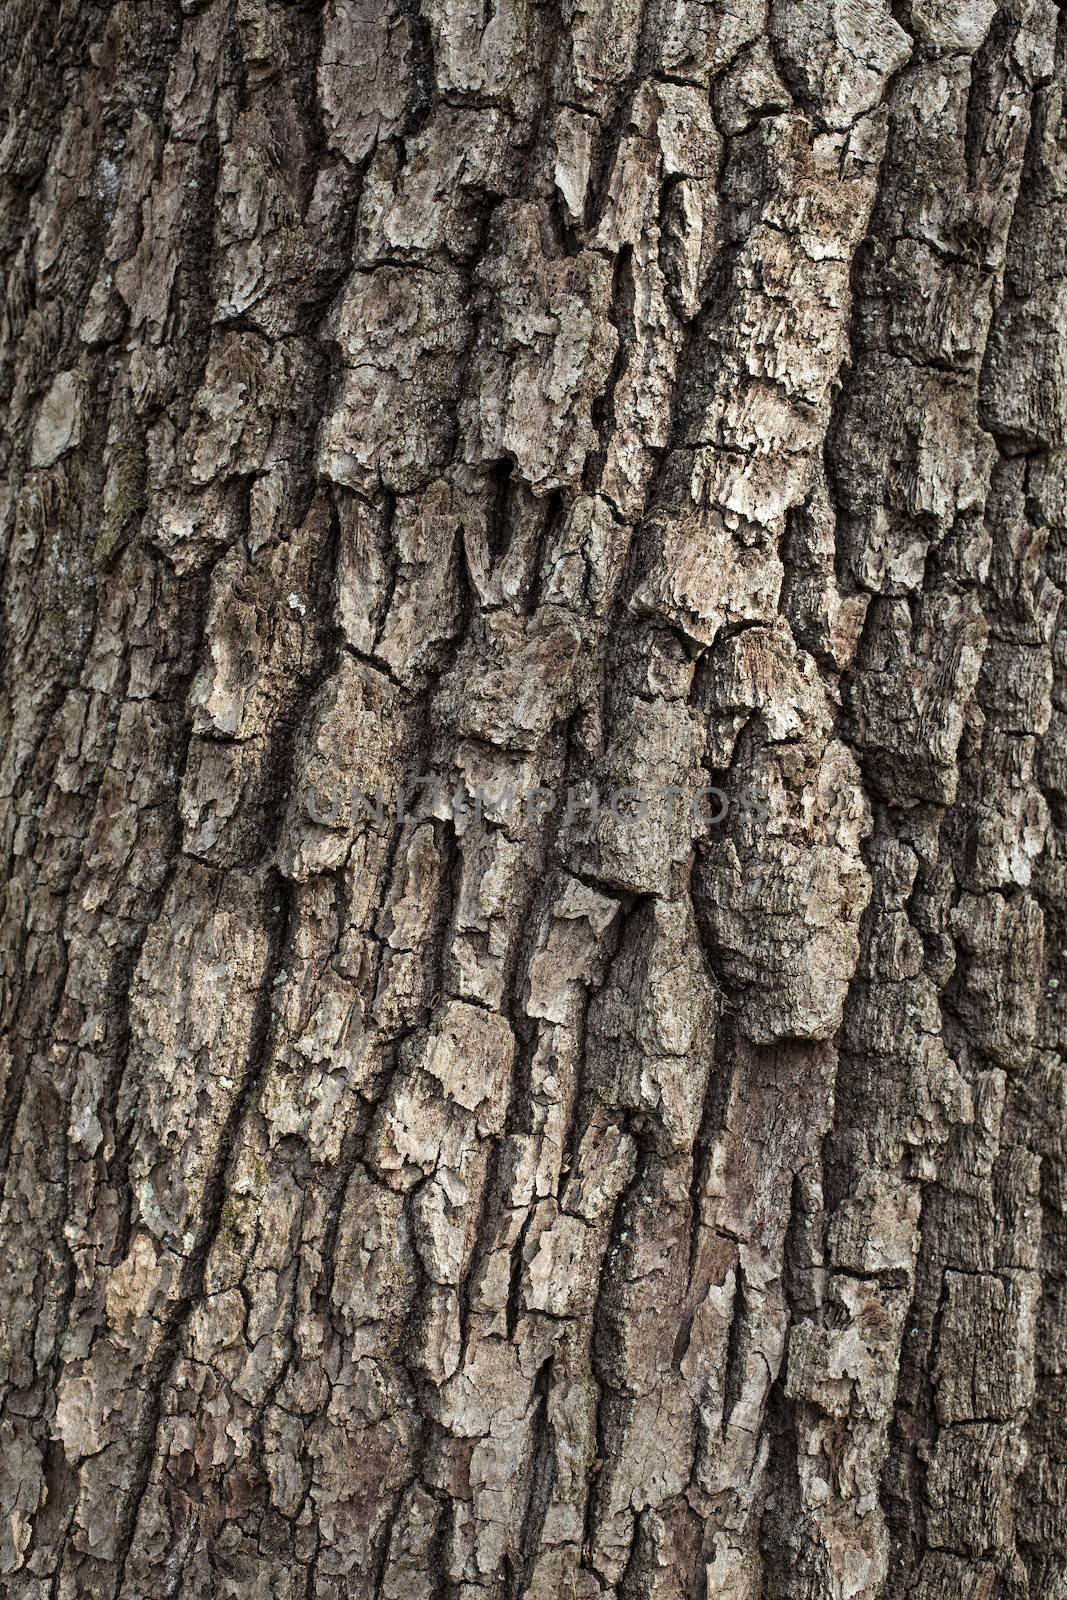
[(611, 1194)]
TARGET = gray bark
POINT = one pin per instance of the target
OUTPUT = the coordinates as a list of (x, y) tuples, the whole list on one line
[(563, 397)]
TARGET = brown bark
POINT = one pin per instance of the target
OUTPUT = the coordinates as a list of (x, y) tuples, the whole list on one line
[(465, 1203)]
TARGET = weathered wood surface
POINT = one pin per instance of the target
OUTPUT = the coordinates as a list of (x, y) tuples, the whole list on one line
[(590, 392)]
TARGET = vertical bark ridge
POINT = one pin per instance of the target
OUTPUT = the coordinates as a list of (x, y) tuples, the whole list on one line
[(588, 1198)]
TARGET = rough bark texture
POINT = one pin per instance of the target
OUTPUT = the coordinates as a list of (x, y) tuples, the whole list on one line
[(546, 1205)]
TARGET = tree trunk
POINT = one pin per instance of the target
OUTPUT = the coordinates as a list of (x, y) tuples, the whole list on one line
[(535, 772)]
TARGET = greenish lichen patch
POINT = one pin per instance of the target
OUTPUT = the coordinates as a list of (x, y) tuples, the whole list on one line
[(125, 500)]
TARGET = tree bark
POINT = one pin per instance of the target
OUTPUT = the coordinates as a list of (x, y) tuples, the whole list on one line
[(633, 1165)]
